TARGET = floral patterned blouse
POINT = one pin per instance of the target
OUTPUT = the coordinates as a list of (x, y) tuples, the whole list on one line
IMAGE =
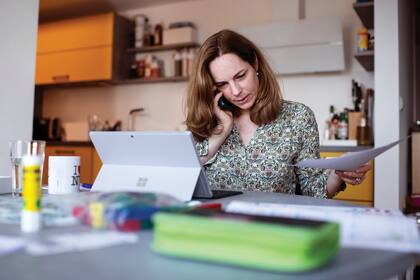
[(266, 163)]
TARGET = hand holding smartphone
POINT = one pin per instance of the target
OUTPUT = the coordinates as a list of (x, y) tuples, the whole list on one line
[(224, 104)]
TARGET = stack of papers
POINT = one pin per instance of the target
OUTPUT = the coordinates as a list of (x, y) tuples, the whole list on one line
[(359, 227), (65, 243), (71, 242), (275, 244)]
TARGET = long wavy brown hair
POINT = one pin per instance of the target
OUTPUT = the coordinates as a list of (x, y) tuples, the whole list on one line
[(200, 119)]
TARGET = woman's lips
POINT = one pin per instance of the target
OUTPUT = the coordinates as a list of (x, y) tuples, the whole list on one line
[(242, 101)]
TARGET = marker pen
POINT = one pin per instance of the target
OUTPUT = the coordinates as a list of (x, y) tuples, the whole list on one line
[(31, 211)]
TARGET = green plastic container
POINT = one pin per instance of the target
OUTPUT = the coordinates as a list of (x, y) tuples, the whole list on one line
[(275, 244)]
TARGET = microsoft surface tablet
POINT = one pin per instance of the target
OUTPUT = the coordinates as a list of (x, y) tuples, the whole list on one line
[(164, 162)]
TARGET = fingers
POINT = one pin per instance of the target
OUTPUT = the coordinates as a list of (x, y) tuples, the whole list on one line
[(364, 168), (216, 100), (355, 177), (351, 177), (361, 171), (224, 118)]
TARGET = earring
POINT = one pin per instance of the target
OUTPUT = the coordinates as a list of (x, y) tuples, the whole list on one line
[(258, 73)]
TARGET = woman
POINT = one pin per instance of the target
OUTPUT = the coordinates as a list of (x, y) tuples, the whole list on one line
[(254, 144)]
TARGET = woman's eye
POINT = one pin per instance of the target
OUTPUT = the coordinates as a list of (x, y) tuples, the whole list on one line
[(222, 86), (241, 76)]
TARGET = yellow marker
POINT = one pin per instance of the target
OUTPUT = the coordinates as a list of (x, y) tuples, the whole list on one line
[(31, 212), (97, 215)]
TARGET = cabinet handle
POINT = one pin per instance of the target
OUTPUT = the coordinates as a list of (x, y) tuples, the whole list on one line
[(61, 78), (72, 152)]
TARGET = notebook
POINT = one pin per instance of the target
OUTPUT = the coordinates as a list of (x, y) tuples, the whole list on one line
[(161, 162)]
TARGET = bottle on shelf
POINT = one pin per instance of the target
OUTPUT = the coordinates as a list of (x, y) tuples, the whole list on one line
[(133, 70), (327, 130), (191, 56), (178, 64), (333, 123), (148, 38), (184, 58), (140, 68), (364, 136), (356, 94), (158, 34), (342, 132)]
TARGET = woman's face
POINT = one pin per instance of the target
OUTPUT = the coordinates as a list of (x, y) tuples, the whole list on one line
[(236, 79)]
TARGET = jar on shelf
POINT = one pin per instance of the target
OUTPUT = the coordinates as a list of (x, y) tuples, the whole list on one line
[(140, 68), (363, 40), (148, 66), (140, 21), (154, 68)]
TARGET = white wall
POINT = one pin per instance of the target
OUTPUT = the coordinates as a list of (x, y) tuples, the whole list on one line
[(18, 26), (393, 79), (163, 102)]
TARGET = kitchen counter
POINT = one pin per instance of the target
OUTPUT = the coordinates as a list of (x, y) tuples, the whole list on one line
[(69, 143), (322, 148), (343, 148)]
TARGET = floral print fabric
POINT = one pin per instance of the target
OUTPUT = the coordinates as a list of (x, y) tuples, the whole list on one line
[(266, 163)]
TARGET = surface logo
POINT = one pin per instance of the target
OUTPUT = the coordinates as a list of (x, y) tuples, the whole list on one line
[(141, 182)]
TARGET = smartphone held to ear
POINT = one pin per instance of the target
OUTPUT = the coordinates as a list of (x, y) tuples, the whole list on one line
[(225, 105)]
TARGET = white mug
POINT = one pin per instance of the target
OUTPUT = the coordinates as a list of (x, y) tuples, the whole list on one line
[(63, 174)]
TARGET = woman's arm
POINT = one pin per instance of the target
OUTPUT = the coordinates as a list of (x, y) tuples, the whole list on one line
[(221, 132), (214, 143), (312, 181), (334, 184)]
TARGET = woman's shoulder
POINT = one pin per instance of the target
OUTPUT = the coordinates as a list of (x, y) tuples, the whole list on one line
[(295, 110)]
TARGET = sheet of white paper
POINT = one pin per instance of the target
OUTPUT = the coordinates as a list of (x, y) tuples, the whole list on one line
[(359, 227), (10, 244), (349, 161), (79, 242)]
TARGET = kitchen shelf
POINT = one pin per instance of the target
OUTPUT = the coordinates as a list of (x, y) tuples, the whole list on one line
[(366, 59), (163, 48), (154, 80), (365, 12)]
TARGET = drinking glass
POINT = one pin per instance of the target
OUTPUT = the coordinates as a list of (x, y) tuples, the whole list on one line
[(18, 150)]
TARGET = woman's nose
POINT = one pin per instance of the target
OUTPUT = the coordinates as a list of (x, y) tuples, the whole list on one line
[(235, 88)]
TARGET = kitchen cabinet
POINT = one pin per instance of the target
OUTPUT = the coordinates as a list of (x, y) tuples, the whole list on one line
[(357, 194), (365, 13), (85, 49), (89, 160)]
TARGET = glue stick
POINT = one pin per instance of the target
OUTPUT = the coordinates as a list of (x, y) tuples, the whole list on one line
[(31, 211)]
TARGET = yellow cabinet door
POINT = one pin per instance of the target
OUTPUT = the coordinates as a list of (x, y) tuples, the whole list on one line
[(359, 194), (96, 164), (74, 66), (75, 50), (77, 33), (85, 154)]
